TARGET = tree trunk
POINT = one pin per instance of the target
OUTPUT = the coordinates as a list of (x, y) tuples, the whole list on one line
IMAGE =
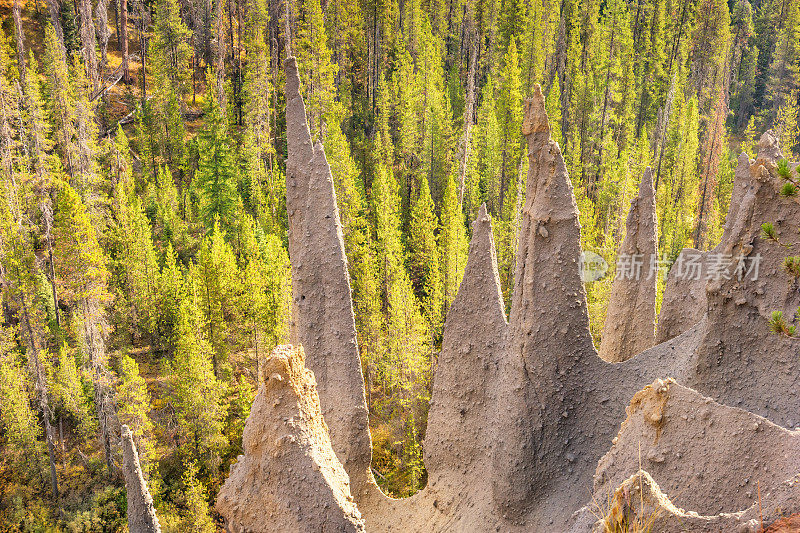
[(101, 14), (123, 40), (88, 42), (41, 390), (20, 38), (469, 111)]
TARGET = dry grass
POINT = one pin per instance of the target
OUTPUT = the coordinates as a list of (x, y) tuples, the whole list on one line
[(620, 514)]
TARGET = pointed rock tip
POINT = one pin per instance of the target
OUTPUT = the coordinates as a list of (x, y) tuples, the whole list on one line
[(535, 118), (481, 231), (292, 77), (769, 147), (646, 185), (483, 215)]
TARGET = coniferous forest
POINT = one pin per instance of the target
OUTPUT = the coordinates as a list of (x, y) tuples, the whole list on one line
[(143, 223)]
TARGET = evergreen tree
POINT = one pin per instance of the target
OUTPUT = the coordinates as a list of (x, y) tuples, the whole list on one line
[(133, 401), (218, 279), (266, 291), (81, 274), (509, 117), (198, 396), (196, 518), (216, 172), (170, 295), (60, 97), (487, 161), (169, 48), (423, 259), (316, 68), (21, 428), (785, 67), (404, 364), (138, 258), (68, 392), (454, 244)]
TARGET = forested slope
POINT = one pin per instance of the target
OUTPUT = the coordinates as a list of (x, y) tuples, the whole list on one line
[(143, 215)]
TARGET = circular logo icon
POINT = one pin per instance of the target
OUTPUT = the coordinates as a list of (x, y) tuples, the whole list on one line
[(592, 267)]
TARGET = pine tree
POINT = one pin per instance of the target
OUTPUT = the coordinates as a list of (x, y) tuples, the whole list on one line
[(436, 114), (423, 259), (68, 392), (169, 61), (169, 48), (60, 98), (133, 401), (652, 79), (138, 258), (509, 117), (196, 518), (81, 274), (405, 103), (216, 172), (487, 161), (218, 280), (784, 77), (710, 44), (316, 68), (742, 69), (198, 396), (20, 273), (21, 428), (266, 291), (767, 24), (403, 344), (511, 24), (265, 183), (788, 126), (453, 242), (171, 293), (713, 147)]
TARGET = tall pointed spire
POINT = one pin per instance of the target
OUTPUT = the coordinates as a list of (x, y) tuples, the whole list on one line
[(631, 317), (141, 513), (322, 318), (459, 421), (549, 338), (549, 317)]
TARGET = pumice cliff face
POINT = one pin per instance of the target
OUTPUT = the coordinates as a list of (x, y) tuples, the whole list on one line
[(527, 423)]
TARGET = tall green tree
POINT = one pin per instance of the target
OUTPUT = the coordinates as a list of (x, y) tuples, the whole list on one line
[(217, 278), (509, 118), (424, 260), (198, 395), (215, 178)]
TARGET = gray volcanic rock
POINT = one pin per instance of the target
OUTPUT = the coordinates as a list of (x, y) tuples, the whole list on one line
[(733, 455), (141, 513), (631, 317), (472, 346), (684, 302), (289, 478), (522, 413), (322, 314)]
